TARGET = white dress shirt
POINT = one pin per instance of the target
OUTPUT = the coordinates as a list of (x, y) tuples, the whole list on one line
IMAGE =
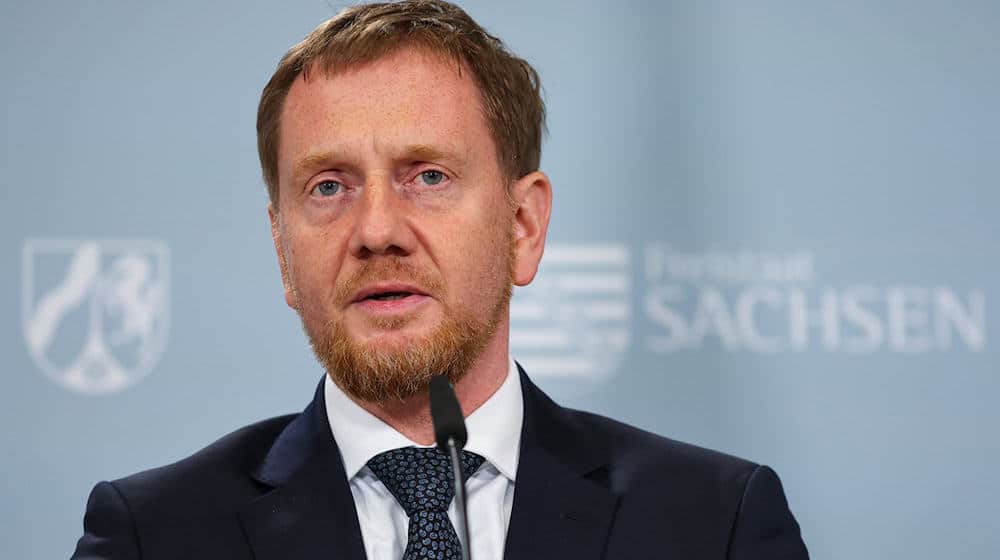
[(494, 432)]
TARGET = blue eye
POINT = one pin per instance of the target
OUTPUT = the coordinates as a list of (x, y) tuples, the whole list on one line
[(327, 188), (432, 177)]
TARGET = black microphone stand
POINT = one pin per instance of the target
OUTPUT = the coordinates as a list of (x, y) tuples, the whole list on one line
[(450, 434), (456, 467)]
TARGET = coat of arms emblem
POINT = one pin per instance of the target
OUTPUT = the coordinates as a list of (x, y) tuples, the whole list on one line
[(572, 323), (95, 312)]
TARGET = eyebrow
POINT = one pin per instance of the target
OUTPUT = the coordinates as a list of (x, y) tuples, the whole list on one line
[(312, 161), (430, 153)]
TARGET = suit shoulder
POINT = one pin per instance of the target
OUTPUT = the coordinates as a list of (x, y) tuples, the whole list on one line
[(714, 504), (644, 450), (222, 468)]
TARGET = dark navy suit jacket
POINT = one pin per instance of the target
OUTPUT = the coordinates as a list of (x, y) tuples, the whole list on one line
[(587, 488)]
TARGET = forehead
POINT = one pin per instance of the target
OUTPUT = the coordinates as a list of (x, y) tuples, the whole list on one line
[(411, 96)]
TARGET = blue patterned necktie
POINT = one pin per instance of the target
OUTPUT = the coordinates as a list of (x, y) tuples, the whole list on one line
[(421, 481)]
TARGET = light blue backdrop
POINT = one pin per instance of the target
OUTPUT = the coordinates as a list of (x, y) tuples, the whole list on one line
[(780, 216)]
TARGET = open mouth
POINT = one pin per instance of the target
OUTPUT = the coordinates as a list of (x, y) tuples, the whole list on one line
[(388, 296)]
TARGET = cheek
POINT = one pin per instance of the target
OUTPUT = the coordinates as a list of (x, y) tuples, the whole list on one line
[(483, 256), (314, 265)]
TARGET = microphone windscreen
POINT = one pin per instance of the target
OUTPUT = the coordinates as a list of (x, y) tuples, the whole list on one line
[(446, 414)]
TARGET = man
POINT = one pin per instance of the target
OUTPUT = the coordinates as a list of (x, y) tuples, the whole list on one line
[(400, 144)]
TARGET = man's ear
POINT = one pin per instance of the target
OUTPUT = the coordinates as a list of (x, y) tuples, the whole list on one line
[(286, 281), (532, 199)]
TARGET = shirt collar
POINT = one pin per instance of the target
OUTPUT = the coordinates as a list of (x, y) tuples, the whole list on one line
[(494, 428)]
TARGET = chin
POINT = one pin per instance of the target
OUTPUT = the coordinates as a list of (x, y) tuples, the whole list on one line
[(404, 328), (390, 341)]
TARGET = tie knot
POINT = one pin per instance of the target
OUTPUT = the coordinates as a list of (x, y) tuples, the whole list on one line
[(420, 478)]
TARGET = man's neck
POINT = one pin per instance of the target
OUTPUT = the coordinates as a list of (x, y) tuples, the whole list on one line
[(412, 418)]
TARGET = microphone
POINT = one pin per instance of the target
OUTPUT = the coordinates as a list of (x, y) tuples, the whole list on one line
[(450, 434)]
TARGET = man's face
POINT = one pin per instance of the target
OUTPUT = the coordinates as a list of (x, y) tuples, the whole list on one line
[(396, 237)]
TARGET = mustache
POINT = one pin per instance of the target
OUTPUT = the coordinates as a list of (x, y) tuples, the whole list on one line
[(388, 269)]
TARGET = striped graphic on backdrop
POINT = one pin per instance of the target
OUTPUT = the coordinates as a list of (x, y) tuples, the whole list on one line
[(573, 321)]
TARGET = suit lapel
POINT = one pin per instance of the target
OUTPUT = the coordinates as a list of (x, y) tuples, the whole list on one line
[(561, 509), (309, 510)]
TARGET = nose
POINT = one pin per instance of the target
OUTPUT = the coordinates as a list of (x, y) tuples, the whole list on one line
[(381, 226)]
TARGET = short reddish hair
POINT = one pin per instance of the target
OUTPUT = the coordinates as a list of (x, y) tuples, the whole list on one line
[(510, 89)]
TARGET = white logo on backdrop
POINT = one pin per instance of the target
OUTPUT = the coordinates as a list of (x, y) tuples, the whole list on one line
[(95, 312), (573, 321), (773, 302)]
